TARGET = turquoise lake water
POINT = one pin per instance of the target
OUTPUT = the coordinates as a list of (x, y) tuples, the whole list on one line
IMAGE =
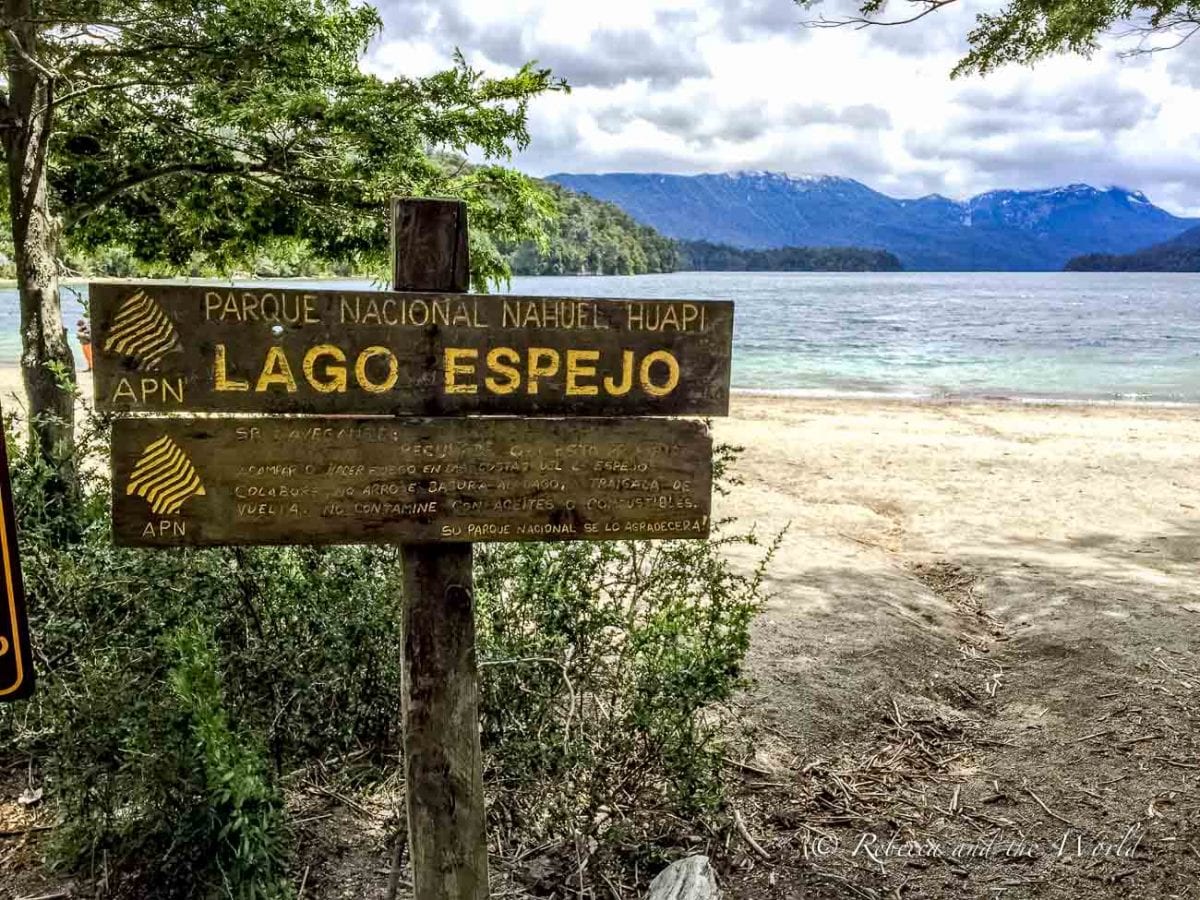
[(1089, 336)]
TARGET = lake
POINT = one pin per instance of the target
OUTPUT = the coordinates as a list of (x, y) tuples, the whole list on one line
[(1054, 336)]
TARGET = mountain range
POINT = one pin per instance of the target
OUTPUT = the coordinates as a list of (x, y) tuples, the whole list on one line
[(1039, 230)]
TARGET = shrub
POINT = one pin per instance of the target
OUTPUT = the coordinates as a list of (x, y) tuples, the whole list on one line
[(600, 664), (602, 667), (176, 688)]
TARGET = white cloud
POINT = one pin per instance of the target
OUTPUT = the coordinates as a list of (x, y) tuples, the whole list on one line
[(716, 85)]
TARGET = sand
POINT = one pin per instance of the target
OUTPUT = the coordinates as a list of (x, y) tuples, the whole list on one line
[(983, 623), (1020, 579)]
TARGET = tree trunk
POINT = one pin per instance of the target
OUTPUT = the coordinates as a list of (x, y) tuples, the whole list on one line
[(47, 364)]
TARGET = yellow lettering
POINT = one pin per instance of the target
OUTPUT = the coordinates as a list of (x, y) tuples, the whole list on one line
[(335, 380), (454, 367), (360, 370), (672, 364), (543, 361), (221, 381), (577, 368), (620, 390), (496, 361), (275, 370)]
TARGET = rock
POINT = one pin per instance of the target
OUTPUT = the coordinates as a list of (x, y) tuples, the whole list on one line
[(688, 879)]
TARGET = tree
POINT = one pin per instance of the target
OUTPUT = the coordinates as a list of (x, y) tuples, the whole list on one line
[(177, 128), (1026, 31)]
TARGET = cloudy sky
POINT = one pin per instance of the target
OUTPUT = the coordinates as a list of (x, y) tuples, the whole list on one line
[(720, 85)]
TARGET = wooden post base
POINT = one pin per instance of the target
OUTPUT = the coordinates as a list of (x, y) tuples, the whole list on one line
[(443, 767)]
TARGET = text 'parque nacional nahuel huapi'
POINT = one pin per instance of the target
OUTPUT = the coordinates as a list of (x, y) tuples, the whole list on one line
[(171, 348)]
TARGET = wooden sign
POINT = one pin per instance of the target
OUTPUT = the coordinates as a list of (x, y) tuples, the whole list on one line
[(187, 481), (172, 348), (16, 666)]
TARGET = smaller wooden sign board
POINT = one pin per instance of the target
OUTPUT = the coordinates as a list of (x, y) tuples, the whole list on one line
[(16, 666), (320, 480)]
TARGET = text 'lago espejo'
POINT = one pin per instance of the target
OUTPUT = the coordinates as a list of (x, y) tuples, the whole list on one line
[(169, 347)]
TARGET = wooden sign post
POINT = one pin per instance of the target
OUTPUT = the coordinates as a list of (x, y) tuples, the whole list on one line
[(425, 417), (443, 765), (16, 664)]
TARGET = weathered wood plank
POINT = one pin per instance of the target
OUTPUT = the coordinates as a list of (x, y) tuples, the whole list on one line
[(175, 348), (443, 765), (16, 659), (429, 245), (300, 480)]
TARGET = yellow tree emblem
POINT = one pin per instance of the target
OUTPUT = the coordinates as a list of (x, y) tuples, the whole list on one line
[(164, 477), (142, 331)]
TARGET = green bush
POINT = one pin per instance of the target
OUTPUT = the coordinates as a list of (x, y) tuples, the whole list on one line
[(239, 819), (599, 664), (601, 668), (177, 687)]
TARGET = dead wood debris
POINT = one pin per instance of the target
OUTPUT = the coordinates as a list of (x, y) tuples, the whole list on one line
[(916, 748), (957, 585)]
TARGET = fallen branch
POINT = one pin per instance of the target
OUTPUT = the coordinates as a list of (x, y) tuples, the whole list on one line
[(1088, 737), (746, 767), (754, 845), (345, 801), (1139, 740), (1175, 762), (1048, 810)]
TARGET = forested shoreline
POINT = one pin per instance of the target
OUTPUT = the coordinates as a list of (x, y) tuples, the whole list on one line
[(1181, 254), (583, 236), (592, 237)]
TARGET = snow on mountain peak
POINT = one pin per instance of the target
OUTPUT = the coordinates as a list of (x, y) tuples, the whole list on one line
[(792, 177), (1002, 230)]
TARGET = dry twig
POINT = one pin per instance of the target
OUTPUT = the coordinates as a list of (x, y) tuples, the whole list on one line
[(1048, 810), (742, 830)]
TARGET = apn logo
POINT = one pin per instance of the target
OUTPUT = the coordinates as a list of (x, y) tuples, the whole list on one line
[(142, 331), (164, 477)]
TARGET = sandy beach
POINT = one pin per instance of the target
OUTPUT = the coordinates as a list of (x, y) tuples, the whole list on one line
[(1001, 601), (983, 627)]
